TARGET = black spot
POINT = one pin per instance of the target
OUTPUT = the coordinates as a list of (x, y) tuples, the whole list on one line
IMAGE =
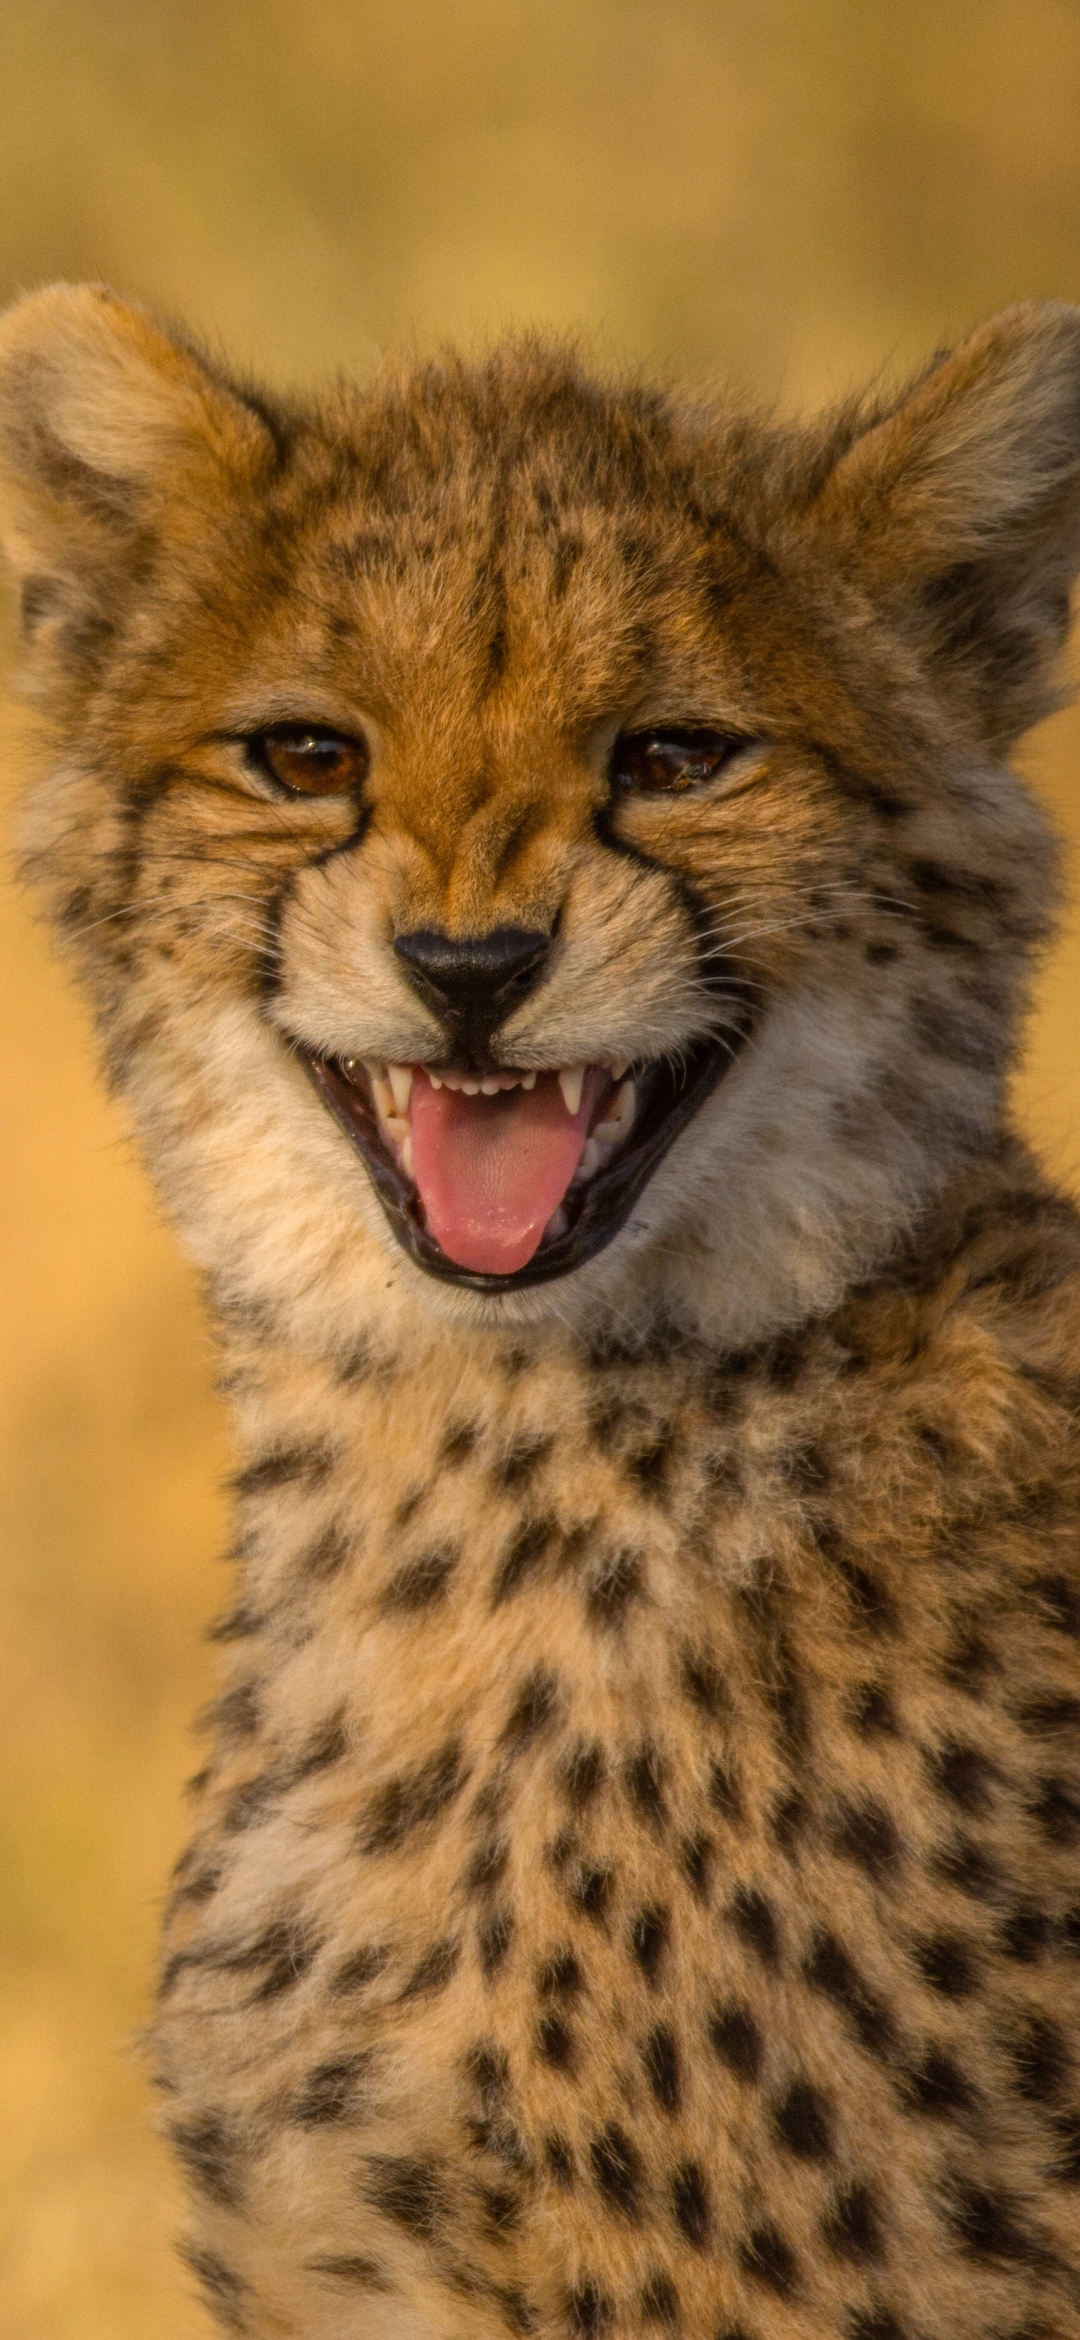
[(409, 1506), (613, 1588), (1057, 1810), (328, 2093), (1058, 1600), (852, 2229), (583, 1773), (588, 2311), (963, 1774), (555, 2043), (970, 1661), (874, 2324), (1025, 1933), (644, 1778), (789, 1822), (807, 1467), (487, 1866), (695, 1860), (520, 1461), (648, 1940), (328, 1743), (225, 2291), (413, 1801), (238, 1624), (236, 1714), (937, 2086), (649, 1466), (754, 1922), (690, 2203), (1040, 2060), (737, 2040), (660, 2301), (873, 1713), (560, 1976), (502, 2208), (616, 2168), (252, 1802), (590, 1891), (872, 1604), (411, 2192), (536, 1703), (559, 2160), (360, 1968), (660, 2057), (282, 1466), (766, 2255), (867, 1834), (211, 2154), (987, 2224), (948, 1964), (1044, 1717), (326, 1557), (704, 1684), (434, 1970), (493, 1941), (880, 954), (422, 1581), (971, 1868), (522, 1558), (831, 1971), (460, 1441), (803, 2122), (725, 1791), (359, 2273)]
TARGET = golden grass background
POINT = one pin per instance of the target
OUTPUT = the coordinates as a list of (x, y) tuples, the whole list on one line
[(792, 193)]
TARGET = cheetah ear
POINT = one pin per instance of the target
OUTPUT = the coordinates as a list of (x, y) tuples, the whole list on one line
[(110, 431), (962, 508)]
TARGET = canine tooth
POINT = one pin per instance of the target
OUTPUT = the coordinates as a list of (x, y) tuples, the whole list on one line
[(406, 1153), (383, 1095), (557, 1224), (397, 1128), (401, 1080), (619, 1071), (571, 1082)]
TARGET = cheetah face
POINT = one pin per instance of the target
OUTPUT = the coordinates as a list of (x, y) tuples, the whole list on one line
[(558, 832)]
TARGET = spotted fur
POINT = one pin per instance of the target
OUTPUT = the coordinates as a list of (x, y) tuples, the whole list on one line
[(635, 1886)]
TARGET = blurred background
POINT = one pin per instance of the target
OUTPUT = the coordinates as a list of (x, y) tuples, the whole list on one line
[(794, 194)]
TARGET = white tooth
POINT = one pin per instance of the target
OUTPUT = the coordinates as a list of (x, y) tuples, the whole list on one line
[(406, 1153), (591, 1159), (557, 1224), (397, 1128), (471, 1088), (571, 1082), (401, 1080), (383, 1095), (528, 1080), (620, 1120), (491, 1086), (435, 1081), (619, 1070)]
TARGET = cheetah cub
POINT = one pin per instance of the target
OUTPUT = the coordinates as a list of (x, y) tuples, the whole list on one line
[(545, 859)]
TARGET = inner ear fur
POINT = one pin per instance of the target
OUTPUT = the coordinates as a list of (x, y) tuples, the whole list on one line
[(108, 427), (961, 508)]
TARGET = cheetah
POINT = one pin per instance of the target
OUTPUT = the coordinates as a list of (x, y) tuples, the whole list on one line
[(544, 856)]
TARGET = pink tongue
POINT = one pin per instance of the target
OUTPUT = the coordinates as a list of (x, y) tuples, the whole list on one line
[(491, 1170)]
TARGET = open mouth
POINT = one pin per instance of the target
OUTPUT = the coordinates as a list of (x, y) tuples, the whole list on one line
[(511, 1177)]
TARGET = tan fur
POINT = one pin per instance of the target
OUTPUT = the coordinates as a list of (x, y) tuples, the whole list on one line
[(635, 1883)]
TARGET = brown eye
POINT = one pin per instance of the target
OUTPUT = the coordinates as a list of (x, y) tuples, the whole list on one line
[(309, 762), (664, 763)]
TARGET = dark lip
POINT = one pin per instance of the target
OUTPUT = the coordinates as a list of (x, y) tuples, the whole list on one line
[(669, 1097)]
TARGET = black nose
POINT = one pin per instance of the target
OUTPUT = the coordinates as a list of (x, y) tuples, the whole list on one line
[(475, 983)]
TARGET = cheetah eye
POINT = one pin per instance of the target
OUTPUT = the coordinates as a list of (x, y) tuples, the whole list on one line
[(309, 761), (666, 763)]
